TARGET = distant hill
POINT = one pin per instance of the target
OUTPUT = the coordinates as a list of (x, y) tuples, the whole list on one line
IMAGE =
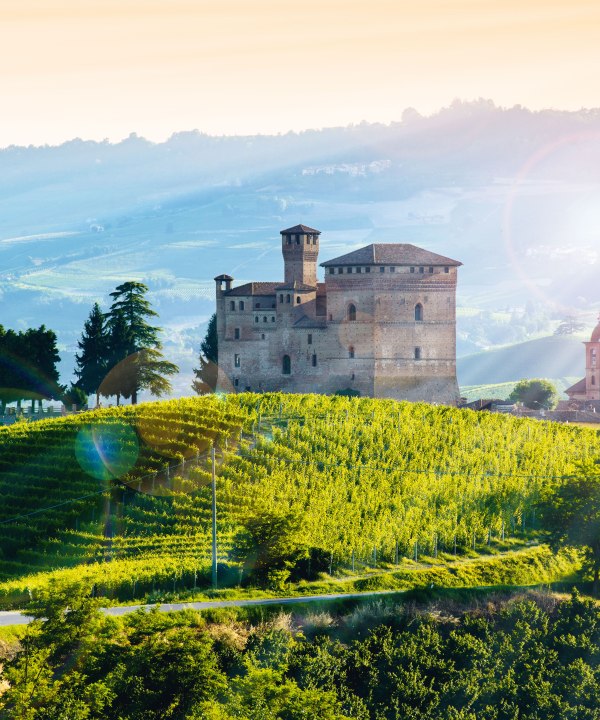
[(552, 357), (511, 193)]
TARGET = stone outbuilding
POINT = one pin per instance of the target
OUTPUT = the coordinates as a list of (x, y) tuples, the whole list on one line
[(383, 323)]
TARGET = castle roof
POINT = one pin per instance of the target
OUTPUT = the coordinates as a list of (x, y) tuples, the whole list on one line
[(308, 322), (301, 287), (391, 254), (579, 387), (223, 277), (300, 229), (253, 288)]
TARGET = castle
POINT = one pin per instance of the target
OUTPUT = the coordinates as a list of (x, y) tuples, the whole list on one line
[(383, 324), (586, 392)]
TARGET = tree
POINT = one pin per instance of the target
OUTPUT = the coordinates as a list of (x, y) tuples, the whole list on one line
[(206, 375), (269, 546), (569, 325), (135, 356), (91, 365), (28, 365), (535, 394), (572, 515)]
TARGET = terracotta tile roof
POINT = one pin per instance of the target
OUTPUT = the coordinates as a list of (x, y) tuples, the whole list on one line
[(297, 286), (299, 229), (391, 254), (579, 387), (253, 288)]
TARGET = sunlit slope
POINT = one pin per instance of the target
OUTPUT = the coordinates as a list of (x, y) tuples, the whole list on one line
[(555, 357), (366, 478)]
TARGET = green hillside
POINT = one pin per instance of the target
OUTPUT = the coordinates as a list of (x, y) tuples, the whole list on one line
[(558, 357), (126, 491)]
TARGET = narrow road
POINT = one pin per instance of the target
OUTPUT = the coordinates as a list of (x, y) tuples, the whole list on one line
[(15, 617)]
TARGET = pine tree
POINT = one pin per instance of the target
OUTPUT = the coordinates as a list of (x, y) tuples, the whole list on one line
[(92, 363), (206, 375), (135, 348)]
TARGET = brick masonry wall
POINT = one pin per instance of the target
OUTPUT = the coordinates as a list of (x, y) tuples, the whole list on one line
[(382, 338)]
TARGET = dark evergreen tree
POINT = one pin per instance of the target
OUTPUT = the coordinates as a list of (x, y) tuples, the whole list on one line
[(135, 356), (91, 364), (206, 375), (28, 365)]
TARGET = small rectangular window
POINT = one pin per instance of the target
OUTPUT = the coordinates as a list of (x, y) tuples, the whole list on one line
[(446, 269), (236, 334), (382, 269), (237, 360), (272, 318), (236, 382), (309, 338), (421, 269), (368, 269), (340, 271), (430, 269), (417, 353), (392, 269), (412, 269), (358, 269), (242, 305), (232, 304), (331, 271), (314, 360), (349, 270)]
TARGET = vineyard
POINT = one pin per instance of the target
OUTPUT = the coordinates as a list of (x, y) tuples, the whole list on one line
[(126, 491)]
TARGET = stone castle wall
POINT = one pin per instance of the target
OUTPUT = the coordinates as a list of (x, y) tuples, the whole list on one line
[(381, 351)]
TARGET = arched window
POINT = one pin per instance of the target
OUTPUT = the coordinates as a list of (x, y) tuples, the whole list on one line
[(351, 312), (418, 312), (286, 365), (351, 351), (264, 318), (593, 357), (288, 298), (298, 300)]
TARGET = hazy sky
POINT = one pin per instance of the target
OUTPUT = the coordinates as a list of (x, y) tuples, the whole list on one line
[(105, 68)]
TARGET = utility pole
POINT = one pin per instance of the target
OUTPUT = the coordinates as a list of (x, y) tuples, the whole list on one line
[(214, 518)]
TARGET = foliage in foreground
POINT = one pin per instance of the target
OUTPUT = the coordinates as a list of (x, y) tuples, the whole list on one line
[(529, 658)]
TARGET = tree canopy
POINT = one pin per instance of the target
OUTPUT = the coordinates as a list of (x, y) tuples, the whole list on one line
[(535, 394), (572, 515), (134, 354), (28, 361), (206, 375), (91, 364)]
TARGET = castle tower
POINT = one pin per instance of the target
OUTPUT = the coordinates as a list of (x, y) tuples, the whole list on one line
[(592, 365), (588, 389), (300, 248)]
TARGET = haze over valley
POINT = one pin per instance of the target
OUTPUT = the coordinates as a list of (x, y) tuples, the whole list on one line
[(513, 194)]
